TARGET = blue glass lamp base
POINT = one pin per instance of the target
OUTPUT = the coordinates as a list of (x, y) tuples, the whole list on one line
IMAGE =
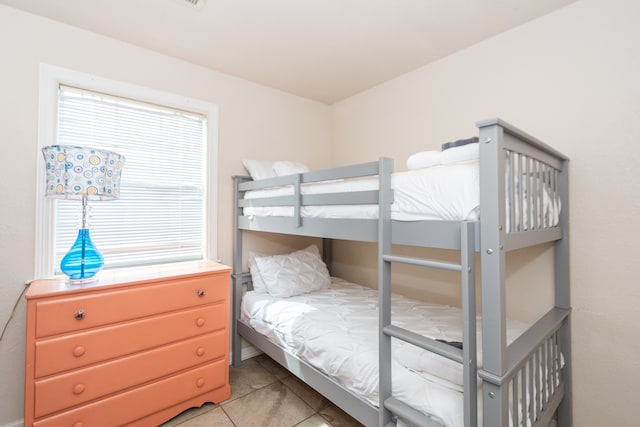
[(83, 260)]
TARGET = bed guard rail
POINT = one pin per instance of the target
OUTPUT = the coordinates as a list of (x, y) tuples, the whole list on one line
[(297, 200), (534, 383), (523, 185)]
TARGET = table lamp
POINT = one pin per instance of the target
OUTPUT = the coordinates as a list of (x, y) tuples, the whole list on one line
[(82, 173)]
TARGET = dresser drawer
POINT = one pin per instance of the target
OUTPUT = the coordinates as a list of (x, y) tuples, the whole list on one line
[(102, 308), (83, 385), (135, 404), (60, 354)]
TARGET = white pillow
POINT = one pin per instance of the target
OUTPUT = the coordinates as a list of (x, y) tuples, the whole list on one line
[(259, 169), (464, 153), (282, 168), (424, 159), (256, 278), (293, 274), (427, 159)]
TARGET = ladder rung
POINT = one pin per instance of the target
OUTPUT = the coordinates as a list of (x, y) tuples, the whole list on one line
[(407, 413), (423, 262), (426, 343)]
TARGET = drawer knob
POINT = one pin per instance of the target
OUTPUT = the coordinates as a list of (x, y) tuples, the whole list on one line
[(200, 321), (200, 351), (78, 424), (201, 292), (79, 314), (78, 351), (78, 389), (200, 382)]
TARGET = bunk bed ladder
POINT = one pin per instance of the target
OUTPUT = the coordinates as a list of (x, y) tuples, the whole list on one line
[(466, 356)]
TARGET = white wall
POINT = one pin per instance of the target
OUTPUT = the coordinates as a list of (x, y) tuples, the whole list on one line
[(255, 122), (571, 78)]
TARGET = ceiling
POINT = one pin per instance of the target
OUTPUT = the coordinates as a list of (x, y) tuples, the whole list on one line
[(325, 50)]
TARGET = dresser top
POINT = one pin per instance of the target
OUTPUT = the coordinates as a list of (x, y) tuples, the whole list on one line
[(127, 276)]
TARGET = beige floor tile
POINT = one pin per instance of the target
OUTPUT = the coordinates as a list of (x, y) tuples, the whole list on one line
[(263, 394), (188, 414), (306, 393), (272, 406), (250, 376), (338, 418), (314, 421), (272, 366), (215, 417)]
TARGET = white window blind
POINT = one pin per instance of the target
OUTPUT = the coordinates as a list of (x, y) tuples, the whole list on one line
[(160, 216)]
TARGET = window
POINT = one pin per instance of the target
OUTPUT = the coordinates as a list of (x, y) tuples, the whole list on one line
[(164, 213)]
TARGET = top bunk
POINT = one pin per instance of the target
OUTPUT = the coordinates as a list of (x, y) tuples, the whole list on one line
[(505, 182)]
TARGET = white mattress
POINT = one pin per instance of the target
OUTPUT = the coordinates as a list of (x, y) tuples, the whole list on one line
[(444, 192), (437, 193), (336, 331)]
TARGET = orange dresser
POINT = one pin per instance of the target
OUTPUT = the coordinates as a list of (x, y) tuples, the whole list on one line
[(136, 347)]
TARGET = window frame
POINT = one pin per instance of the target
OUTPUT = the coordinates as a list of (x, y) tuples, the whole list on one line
[(50, 78)]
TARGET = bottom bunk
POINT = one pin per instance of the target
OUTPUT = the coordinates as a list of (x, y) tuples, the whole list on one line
[(325, 331)]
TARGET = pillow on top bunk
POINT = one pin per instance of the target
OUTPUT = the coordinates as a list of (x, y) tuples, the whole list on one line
[(424, 159), (293, 274), (263, 169), (454, 155), (283, 168), (464, 153), (259, 169)]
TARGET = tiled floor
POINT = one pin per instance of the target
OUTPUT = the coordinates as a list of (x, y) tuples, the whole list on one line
[(263, 394)]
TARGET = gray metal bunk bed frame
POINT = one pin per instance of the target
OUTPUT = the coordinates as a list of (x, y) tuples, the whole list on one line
[(527, 382)]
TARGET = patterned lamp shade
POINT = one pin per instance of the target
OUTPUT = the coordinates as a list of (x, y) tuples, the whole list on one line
[(80, 172), (83, 174)]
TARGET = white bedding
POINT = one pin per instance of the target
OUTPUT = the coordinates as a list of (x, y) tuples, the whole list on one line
[(437, 193), (443, 192), (336, 331)]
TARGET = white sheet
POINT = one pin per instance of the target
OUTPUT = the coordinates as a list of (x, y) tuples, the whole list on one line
[(336, 331)]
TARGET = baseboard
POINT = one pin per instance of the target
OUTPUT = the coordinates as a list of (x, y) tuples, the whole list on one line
[(247, 352), (19, 423), (250, 351)]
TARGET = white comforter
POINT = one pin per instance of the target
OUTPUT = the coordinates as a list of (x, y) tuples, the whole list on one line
[(445, 192), (336, 331), (437, 193)]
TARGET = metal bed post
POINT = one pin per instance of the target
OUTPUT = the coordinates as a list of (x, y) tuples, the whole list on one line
[(492, 235), (236, 343), (469, 351), (563, 294), (526, 371), (384, 288), (327, 253)]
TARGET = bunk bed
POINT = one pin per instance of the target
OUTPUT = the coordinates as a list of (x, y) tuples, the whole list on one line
[(524, 201)]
